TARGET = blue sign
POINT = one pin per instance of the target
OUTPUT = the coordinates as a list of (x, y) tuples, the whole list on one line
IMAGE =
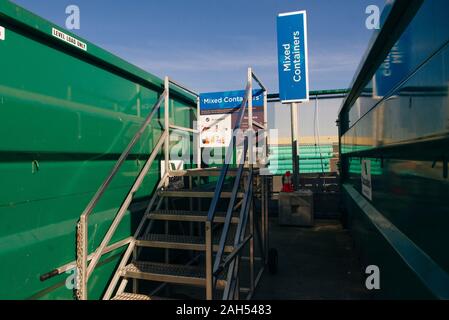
[(292, 57), (228, 101), (396, 66)]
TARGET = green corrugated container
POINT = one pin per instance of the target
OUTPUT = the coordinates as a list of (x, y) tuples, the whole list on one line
[(67, 111)]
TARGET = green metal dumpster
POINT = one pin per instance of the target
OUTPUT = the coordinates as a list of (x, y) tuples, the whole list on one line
[(68, 109), (394, 133)]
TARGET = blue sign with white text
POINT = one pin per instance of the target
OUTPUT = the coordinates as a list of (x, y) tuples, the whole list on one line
[(396, 65), (228, 101), (292, 57)]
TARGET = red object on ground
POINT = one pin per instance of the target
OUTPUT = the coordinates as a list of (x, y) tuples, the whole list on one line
[(287, 184)]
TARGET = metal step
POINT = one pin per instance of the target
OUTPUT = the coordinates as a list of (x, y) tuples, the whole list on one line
[(196, 194), (134, 296), (180, 242), (170, 273), (190, 216), (207, 172)]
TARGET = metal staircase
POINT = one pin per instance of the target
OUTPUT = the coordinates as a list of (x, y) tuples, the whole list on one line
[(228, 241), (196, 248)]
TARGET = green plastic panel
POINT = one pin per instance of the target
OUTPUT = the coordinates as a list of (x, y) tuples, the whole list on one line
[(313, 159)]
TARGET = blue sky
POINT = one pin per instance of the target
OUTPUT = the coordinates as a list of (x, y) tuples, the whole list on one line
[(208, 44)]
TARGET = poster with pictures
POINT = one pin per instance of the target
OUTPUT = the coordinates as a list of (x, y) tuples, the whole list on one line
[(215, 130)]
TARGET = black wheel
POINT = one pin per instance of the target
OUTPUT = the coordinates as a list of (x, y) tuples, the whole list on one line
[(273, 261)]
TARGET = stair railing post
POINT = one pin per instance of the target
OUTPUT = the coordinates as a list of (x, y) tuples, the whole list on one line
[(135, 283), (198, 138), (250, 117), (265, 178), (265, 115), (266, 219), (81, 263), (209, 262), (251, 244), (167, 124), (237, 283), (262, 215)]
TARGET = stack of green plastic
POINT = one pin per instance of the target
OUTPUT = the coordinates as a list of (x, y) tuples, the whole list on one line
[(312, 159), (355, 166)]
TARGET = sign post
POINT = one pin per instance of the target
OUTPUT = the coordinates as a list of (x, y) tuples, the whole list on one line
[(293, 72), (295, 144)]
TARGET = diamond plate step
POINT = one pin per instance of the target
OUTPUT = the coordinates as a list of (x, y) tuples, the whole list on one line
[(196, 194), (205, 172), (170, 273), (180, 242), (191, 216), (134, 296)]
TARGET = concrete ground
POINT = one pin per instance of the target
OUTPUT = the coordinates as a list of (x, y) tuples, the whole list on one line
[(314, 263)]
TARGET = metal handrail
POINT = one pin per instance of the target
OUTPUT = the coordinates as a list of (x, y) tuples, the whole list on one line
[(93, 202), (125, 205), (245, 209), (213, 207), (82, 231), (212, 272), (183, 87), (229, 258), (227, 224), (132, 245), (84, 270), (229, 153), (258, 81), (184, 129)]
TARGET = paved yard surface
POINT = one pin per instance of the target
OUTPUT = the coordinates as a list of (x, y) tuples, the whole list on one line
[(314, 263)]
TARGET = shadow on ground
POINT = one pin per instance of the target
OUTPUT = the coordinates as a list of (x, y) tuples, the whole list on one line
[(314, 263)]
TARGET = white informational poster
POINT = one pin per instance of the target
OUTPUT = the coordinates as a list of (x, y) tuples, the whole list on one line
[(216, 130), (367, 189)]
